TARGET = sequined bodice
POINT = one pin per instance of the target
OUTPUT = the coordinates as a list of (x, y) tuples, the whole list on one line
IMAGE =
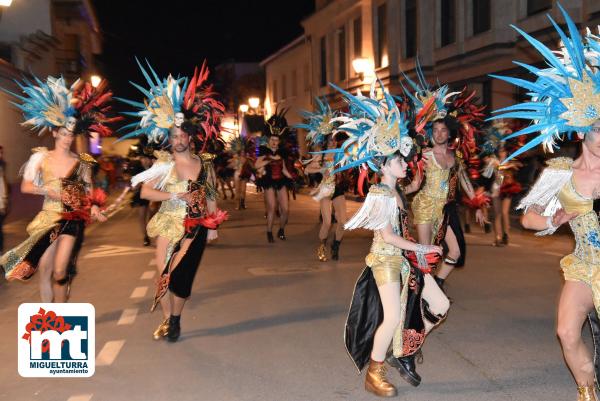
[(436, 179), (585, 226), (174, 185), (54, 183), (380, 247)]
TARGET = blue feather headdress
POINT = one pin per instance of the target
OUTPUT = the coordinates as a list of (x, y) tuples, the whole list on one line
[(318, 124), (157, 114), (375, 127), (565, 97), (429, 103), (45, 105)]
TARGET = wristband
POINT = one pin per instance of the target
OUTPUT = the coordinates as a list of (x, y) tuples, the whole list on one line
[(550, 224), (174, 196)]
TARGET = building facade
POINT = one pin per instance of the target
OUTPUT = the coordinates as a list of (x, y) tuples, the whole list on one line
[(43, 37), (458, 42)]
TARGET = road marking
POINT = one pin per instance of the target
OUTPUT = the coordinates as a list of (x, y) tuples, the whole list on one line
[(139, 292), (109, 352), (127, 317), (152, 262), (148, 275), (554, 253), (80, 397), (104, 251), (516, 245)]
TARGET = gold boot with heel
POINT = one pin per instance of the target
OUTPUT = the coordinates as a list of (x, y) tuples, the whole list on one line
[(586, 393), (376, 381), (161, 330), (322, 251)]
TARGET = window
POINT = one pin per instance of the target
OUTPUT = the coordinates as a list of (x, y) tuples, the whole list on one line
[(294, 83), (410, 26), (486, 93), (323, 61), (275, 93), (536, 6), (357, 30), (306, 78), (342, 53), (482, 16), (283, 87), (448, 16), (382, 44)]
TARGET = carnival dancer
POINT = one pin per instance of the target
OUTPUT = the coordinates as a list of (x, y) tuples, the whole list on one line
[(62, 177), (320, 126), (563, 99), (243, 166), (276, 180), (443, 117), (504, 185), (183, 182), (378, 140)]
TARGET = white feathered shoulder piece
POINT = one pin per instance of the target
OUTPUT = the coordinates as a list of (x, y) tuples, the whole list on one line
[(544, 194), (378, 210), (159, 172), (32, 169)]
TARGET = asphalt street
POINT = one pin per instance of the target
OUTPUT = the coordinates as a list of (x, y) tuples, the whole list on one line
[(265, 321)]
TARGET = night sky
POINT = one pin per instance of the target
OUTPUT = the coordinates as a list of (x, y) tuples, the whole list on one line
[(180, 34)]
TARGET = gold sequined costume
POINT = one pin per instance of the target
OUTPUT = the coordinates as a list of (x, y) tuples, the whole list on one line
[(176, 220), (66, 217), (428, 204), (583, 264)]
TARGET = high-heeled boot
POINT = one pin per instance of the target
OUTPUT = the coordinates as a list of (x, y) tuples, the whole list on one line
[(270, 237), (376, 380), (406, 367), (335, 249), (174, 330), (322, 251), (586, 393), (161, 330)]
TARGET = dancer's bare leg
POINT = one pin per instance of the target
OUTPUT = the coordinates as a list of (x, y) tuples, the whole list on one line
[(506, 202), (424, 233), (453, 252), (271, 206), (574, 305), (339, 205), (45, 275), (162, 244), (62, 257), (283, 200), (325, 206)]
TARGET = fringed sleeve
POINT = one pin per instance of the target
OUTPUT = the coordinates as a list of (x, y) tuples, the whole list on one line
[(378, 210), (159, 172), (544, 194), (86, 166), (31, 171)]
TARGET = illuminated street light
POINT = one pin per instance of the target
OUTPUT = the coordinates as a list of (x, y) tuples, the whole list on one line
[(364, 67), (254, 102), (95, 79), (5, 3), (244, 108)]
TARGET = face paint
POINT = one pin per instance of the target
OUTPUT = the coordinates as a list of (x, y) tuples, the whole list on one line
[(70, 124)]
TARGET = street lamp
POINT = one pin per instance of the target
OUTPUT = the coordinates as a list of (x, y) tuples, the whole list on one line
[(244, 108), (364, 67), (95, 80), (254, 102)]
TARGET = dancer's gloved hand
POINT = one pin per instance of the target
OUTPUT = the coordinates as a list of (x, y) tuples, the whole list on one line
[(212, 235)]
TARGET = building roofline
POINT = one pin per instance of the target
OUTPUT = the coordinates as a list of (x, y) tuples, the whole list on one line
[(294, 43)]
